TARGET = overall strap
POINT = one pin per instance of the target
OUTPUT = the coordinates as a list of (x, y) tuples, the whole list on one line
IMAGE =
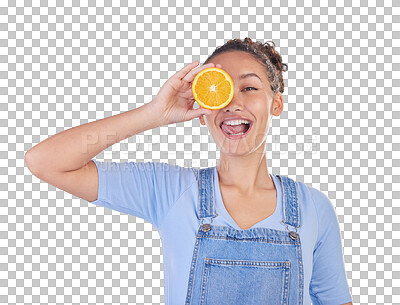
[(291, 211), (206, 193)]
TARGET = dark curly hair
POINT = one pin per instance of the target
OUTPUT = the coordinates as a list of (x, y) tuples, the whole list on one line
[(265, 53)]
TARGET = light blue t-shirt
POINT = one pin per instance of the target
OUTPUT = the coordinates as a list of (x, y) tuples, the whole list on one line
[(167, 196)]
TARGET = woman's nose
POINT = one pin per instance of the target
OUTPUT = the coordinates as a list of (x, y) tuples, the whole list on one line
[(236, 103)]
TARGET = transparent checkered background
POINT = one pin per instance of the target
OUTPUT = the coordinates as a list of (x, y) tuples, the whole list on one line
[(66, 63)]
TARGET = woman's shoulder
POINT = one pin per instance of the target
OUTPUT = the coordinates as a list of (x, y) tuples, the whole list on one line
[(161, 166), (313, 196), (174, 169), (193, 171)]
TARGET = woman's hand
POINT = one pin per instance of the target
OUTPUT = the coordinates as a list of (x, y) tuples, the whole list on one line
[(174, 102)]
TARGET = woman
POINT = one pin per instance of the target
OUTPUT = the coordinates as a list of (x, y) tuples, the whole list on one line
[(233, 233)]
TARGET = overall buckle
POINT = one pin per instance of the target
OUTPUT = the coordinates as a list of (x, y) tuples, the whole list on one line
[(292, 234), (205, 227)]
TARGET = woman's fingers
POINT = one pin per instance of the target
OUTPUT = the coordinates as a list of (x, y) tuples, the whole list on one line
[(188, 73), (182, 72), (192, 74)]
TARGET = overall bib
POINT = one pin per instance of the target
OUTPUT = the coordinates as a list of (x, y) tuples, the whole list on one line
[(254, 266)]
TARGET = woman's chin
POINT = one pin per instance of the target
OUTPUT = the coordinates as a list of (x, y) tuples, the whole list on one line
[(243, 147)]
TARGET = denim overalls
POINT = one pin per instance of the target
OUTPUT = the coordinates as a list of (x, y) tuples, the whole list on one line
[(254, 266)]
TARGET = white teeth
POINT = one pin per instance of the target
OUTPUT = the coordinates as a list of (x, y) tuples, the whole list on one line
[(236, 122), (237, 134)]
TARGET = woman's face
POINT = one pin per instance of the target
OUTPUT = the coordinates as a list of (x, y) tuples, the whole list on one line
[(253, 100)]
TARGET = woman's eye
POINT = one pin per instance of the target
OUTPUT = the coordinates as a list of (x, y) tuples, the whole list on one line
[(249, 88)]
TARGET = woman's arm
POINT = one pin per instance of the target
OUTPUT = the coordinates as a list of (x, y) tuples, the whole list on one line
[(328, 283), (73, 148), (63, 160)]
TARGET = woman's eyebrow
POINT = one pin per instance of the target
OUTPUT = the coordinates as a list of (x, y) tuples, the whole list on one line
[(249, 75)]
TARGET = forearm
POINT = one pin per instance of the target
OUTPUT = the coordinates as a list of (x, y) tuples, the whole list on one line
[(73, 148)]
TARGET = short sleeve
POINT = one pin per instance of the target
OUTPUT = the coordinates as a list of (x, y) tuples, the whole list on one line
[(328, 284), (146, 190)]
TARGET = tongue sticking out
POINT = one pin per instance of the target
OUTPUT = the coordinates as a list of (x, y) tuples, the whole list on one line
[(233, 129)]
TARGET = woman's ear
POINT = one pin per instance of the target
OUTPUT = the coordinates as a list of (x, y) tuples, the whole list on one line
[(277, 104)]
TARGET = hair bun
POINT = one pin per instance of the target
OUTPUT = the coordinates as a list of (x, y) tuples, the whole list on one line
[(264, 52)]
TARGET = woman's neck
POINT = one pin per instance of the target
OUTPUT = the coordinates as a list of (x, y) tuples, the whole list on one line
[(247, 175)]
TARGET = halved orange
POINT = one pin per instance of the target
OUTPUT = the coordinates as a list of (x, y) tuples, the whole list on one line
[(212, 88)]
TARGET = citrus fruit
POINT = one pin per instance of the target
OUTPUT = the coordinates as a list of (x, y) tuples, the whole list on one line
[(212, 88)]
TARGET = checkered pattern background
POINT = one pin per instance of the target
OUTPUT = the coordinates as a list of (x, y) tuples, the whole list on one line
[(66, 63)]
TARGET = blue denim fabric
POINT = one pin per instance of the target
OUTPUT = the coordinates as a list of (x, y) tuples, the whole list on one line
[(253, 266)]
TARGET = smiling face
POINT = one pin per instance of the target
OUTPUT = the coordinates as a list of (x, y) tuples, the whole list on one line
[(253, 99)]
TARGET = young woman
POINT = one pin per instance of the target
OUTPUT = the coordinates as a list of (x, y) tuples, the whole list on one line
[(233, 233)]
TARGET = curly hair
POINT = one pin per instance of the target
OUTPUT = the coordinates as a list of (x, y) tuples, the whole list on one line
[(265, 53)]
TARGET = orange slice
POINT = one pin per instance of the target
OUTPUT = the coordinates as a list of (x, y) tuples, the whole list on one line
[(212, 88)]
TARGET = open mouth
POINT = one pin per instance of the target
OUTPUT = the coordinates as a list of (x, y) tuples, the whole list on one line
[(236, 132)]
